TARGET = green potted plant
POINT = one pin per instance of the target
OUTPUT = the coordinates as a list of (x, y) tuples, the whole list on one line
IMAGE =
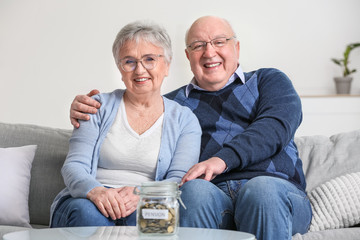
[(343, 83)]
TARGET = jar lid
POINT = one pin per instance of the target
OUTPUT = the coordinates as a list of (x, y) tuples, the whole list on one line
[(162, 188), (159, 188)]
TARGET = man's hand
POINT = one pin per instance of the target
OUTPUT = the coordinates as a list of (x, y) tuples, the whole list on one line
[(207, 170), (108, 201), (81, 105)]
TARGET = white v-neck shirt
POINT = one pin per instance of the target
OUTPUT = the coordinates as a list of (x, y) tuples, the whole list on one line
[(127, 158)]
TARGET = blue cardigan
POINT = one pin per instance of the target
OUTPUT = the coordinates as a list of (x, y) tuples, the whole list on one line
[(179, 147)]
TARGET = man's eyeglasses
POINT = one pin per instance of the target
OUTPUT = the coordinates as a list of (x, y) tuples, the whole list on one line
[(216, 43), (128, 64)]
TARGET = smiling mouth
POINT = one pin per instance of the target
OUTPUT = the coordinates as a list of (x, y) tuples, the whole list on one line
[(211, 65), (141, 79)]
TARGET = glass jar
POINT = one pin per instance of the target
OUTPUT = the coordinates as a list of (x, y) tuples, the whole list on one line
[(158, 208)]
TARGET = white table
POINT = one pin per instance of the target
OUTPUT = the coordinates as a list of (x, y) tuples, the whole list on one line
[(123, 233)]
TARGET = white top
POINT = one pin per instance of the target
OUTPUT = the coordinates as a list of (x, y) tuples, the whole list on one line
[(127, 158)]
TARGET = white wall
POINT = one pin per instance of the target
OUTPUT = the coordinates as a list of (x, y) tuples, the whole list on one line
[(329, 115), (51, 50)]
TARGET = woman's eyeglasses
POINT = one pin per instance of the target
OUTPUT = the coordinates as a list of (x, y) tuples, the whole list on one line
[(129, 64)]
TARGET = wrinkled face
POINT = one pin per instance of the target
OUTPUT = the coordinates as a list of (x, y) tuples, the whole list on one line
[(212, 67), (142, 80)]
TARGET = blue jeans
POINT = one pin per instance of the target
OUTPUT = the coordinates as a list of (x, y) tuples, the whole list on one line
[(268, 207), (76, 212)]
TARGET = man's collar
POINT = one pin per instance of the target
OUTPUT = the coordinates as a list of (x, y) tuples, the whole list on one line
[(237, 74)]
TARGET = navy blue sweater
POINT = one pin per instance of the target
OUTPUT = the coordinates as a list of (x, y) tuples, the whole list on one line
[(250, 126)]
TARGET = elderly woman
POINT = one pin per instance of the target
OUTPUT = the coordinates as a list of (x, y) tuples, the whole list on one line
[(136, 136)]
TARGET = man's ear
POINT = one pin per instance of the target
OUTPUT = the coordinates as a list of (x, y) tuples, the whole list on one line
[(187, 54)]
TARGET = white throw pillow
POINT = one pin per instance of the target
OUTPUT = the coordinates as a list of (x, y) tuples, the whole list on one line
[(336, 203), (15, 167)]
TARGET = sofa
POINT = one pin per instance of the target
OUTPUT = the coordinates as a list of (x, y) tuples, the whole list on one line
[(331, 166)]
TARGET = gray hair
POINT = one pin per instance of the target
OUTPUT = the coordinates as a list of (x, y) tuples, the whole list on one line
[(143, 30)]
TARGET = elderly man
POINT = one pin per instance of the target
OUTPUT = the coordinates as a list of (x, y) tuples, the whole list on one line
[(249, 176)]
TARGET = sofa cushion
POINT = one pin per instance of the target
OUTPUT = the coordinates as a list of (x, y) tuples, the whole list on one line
[(46, 180), (325, 158), (336, 203), (15, 167)]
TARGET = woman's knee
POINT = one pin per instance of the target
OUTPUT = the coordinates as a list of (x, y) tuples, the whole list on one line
[(81, 212)]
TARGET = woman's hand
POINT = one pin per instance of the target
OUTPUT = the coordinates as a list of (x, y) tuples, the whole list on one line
[(130, 199), (108, 201), (81, 105)]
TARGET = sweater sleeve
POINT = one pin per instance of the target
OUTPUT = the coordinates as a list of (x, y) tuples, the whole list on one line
[(277, 115)]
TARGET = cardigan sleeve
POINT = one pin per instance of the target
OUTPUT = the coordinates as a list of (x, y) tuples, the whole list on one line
[(78, 170), (183, 139)]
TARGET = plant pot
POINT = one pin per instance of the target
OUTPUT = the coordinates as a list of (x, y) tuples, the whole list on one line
[(343, 84)]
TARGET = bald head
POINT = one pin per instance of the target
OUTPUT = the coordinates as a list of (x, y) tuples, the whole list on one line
[(205, 22)]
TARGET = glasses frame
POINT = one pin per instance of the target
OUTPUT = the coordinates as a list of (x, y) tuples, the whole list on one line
[(155, 56), (204, 44)]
